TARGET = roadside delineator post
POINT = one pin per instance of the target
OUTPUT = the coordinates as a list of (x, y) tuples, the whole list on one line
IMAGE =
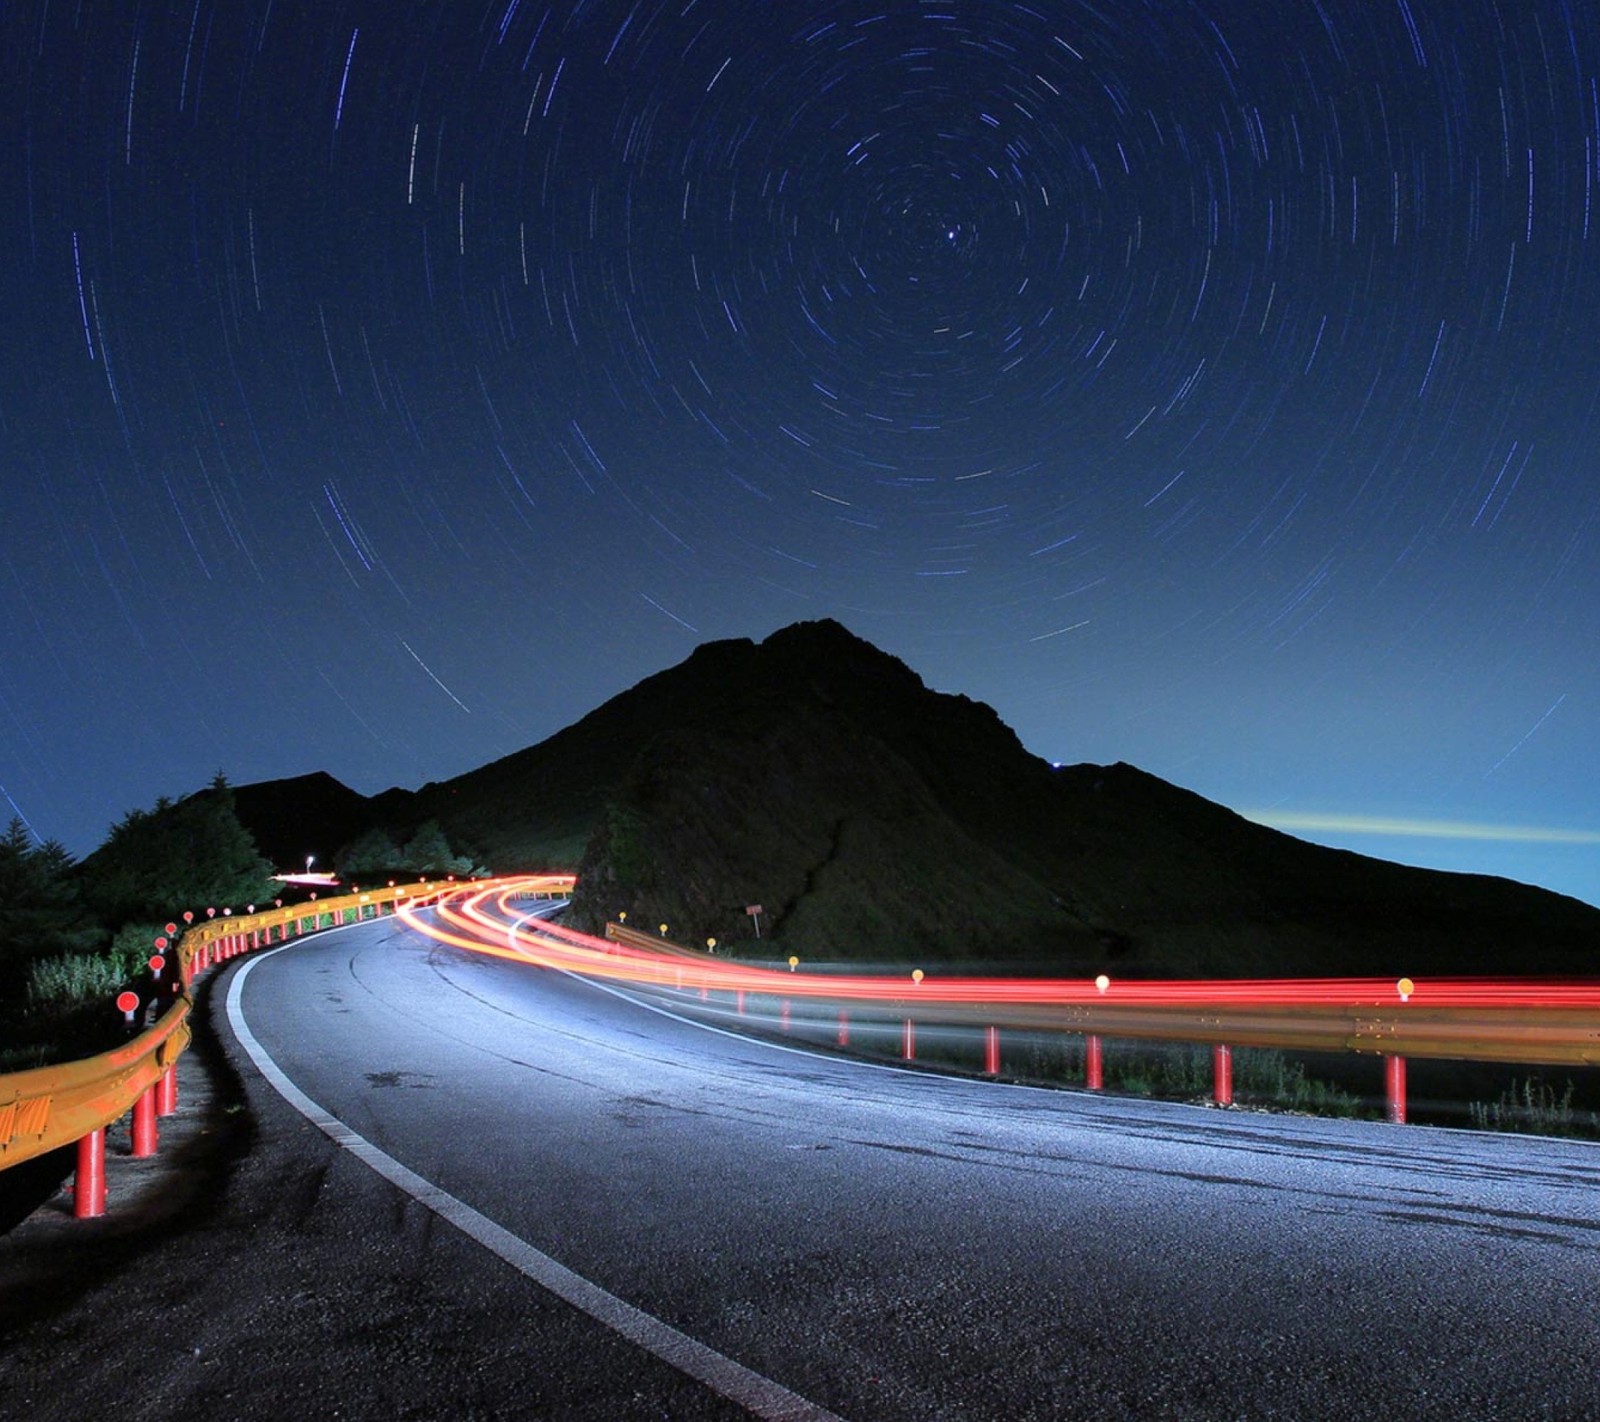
[(1394, 1082), (783, 1015), (844, 1028), (738, 1000), (1394, 1068), (1093, 1052), (89, 1177), (991, 1051), (1222, 1074), (908, 1040)]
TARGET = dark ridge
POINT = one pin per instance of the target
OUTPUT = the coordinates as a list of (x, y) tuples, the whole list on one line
[(305, 815), (873, 818)]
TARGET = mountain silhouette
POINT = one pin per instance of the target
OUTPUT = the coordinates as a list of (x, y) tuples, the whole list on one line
[(872, 818)]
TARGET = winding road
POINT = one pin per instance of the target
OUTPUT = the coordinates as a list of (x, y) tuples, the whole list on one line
[(799, 1234)]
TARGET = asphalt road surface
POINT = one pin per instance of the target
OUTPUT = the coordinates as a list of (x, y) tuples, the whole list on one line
[(733, 1225)]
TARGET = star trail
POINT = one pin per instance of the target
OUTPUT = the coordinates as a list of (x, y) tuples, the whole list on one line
[(1205, 384)]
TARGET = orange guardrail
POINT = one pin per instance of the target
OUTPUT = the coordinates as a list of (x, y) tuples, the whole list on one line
[(649, 942), (48, 1107), (45, 1108)]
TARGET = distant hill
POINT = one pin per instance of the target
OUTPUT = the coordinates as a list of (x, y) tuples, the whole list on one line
[(305, 817), (873, 818)]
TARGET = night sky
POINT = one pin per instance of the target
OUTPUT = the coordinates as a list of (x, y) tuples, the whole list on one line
[(1207, 384)]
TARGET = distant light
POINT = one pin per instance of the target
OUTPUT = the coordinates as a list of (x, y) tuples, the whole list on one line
[(916, 976), (1102, 982), (1405, 987)]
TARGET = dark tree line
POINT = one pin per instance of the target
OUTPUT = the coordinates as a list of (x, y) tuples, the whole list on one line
[(71, 933), (42, 912), (191, 853), (377, 854)]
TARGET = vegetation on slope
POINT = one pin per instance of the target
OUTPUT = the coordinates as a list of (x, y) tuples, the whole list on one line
[(72, 935)]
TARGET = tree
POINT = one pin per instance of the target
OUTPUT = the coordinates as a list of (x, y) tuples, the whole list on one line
[(428, 851), (190, 853), (372, 851), (40, 912)]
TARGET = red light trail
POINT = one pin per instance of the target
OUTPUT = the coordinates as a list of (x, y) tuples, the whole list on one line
[(1516, 1020)]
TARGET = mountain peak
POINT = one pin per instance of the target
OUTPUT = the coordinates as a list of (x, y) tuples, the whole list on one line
[(817, 775)]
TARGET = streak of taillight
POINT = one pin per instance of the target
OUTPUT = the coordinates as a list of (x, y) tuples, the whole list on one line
[(484, 919)]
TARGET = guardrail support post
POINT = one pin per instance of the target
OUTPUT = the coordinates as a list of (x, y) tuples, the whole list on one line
[(908, 1040), (783, 1016), (1222, 1074), (844, 1028), (991, 1051), (144, 1124), (1093, 1062), (738, 1001), (167, 1092), (1394, 1081), (89, 1179)]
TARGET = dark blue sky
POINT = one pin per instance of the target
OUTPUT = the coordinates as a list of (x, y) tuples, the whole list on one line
[(1209, 385)]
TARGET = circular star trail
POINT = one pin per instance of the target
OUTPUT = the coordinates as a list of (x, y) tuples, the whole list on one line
[(1207, 385)]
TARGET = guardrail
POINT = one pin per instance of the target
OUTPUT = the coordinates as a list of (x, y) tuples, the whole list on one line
[(45, 1108), (1514, 1021)]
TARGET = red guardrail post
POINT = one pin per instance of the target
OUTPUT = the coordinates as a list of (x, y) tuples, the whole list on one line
[(991, 1051), (1093, 1062), (1222, 1074), (144, 1124), (89, 1179), (1394, 1081), (908, 1040), (844, 1028), (167, 1092)]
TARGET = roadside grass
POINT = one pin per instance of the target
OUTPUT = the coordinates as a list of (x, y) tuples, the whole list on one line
[(1175, 1071), (1263, 1078), (1182, 1071), (1532, 1106), (65, 1007)]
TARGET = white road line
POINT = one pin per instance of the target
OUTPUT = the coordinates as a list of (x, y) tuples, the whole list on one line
[(757, 1394)]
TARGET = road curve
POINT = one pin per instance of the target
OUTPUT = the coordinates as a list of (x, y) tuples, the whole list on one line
[(888, 1244)]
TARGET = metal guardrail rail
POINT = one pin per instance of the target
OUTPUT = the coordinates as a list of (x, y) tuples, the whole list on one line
[(1516, 1022), (45, 1108)]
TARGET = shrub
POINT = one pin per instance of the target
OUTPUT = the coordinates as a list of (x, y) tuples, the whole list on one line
[(73, 980), (1532, 1107)]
